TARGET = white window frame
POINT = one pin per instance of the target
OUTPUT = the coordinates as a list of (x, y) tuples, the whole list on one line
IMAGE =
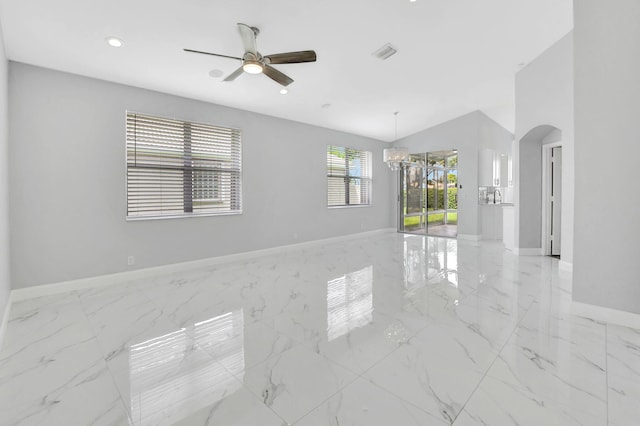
[(366, 175), (217, 151)]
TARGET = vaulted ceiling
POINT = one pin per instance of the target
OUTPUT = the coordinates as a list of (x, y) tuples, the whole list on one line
[(454, 56)]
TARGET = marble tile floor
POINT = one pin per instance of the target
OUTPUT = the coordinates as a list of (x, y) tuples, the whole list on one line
[(389, 329)]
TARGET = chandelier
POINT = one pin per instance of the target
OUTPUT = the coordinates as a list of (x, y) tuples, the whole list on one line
[(396, 155)]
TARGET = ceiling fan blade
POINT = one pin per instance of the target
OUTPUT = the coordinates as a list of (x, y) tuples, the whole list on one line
[(212, 54), (292, 57), (277, 76), (234, 74), (248, 37)]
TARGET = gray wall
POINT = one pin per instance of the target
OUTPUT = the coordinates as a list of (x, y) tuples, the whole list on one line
[(607, 128), (67, 157), (468, 134), (544, 97), (5, 276)]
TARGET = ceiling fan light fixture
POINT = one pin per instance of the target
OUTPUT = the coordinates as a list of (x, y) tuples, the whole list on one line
[(252, 67), (255, 63)]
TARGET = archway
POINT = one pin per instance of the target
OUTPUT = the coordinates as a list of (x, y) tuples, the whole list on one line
[(529, 198)]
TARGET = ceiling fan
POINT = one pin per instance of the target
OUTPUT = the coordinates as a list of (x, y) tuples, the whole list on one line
[(254, 63)]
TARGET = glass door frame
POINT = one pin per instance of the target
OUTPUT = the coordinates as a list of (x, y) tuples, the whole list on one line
[(403, 196)]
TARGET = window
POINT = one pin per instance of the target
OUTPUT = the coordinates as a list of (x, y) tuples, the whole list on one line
[(348, 176), (178, 168)]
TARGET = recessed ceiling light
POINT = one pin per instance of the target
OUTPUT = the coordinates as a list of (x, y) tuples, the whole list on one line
[(412, 1), (283, 91), (114, 41), (215, 73)]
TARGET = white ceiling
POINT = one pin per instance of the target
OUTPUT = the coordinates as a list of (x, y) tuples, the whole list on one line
[(454, 56)]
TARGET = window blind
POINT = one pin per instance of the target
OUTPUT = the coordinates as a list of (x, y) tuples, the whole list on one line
[(348, 176), (180, 168)]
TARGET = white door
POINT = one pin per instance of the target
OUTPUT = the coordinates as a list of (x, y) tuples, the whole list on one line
[(556, 200)]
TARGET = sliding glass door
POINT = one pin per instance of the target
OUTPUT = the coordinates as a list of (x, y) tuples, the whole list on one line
[(412, 199), (429, 194), (442, 193)]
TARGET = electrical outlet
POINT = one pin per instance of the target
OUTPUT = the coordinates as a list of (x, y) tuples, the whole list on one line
[(131, 260)]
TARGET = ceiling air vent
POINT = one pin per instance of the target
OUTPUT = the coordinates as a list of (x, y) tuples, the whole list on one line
[(385, 52)]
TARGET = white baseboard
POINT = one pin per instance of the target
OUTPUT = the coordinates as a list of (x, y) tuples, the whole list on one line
[(565, 266), (5, 318), (469, 237), (120, 277), (608, 315), (527, 251)]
